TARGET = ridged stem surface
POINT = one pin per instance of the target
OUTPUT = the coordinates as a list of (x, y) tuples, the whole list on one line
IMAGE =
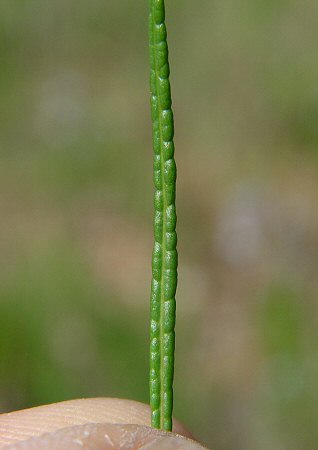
[(165, 258)]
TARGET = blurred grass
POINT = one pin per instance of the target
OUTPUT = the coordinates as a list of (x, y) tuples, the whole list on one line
[(76, 207), (56, 351)]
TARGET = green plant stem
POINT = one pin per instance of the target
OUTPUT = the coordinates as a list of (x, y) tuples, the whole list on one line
[(165, 257)]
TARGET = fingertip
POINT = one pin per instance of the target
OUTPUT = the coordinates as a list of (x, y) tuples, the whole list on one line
[(25, 424), (104, 437)]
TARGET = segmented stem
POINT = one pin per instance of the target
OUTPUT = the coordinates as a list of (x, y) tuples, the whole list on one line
[(165, 257)]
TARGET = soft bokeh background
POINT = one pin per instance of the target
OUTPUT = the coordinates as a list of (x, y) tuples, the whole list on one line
[(76, 211)]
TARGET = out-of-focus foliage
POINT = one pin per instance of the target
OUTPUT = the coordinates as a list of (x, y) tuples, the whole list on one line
[(76, 208)]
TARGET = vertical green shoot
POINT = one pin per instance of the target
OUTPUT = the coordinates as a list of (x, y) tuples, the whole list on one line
[(165, 258)]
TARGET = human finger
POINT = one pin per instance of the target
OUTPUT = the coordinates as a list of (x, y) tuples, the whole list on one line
[(106, 436), (22, 425)]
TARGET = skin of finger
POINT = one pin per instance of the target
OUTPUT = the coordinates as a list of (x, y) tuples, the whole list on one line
[(104, 437), (22, 425)]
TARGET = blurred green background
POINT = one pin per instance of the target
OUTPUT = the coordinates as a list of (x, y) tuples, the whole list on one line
[(76, 211)]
